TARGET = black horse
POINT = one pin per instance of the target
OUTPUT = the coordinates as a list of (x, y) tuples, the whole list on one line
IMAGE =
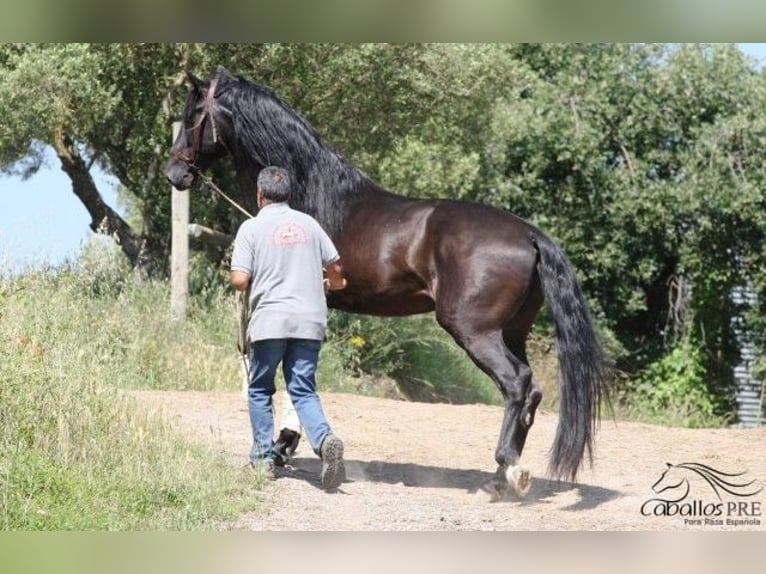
[(485, 272)]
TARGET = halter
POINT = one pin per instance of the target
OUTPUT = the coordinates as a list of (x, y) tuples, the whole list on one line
[(198, 128)]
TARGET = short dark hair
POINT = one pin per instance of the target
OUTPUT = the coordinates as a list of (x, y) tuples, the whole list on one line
[(274, 183)]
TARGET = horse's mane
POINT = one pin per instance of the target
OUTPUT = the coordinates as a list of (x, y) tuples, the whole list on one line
[(268, 132)]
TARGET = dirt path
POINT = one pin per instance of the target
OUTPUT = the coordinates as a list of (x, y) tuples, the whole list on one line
[(418, 466)]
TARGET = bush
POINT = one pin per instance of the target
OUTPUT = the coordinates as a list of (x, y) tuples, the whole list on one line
[(366, 344), (673, 390), (101, 269), (415, 352)]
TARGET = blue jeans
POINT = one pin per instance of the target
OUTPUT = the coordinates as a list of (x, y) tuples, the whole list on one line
[(299, 359)]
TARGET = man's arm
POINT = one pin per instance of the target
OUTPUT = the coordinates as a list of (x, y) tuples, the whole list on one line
[(335, 280), (239, 279)]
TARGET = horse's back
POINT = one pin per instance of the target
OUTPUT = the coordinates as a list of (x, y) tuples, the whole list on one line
[(401, 254), (473, 234)]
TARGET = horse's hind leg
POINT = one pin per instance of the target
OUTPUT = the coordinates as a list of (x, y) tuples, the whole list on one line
[(521, 396), (513, 377), (513, 435)]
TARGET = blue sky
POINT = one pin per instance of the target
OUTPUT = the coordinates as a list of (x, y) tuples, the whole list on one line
[(42, 222), (758, 51)]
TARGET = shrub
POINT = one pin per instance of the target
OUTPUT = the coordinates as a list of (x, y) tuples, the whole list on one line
[(415, 352), (673, 390)]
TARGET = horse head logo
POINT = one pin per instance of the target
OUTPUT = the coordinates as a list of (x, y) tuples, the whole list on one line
[(675, 479)]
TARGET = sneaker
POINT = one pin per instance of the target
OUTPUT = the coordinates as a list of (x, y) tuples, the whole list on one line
[(265, 467), (285, 447), (333, 468)]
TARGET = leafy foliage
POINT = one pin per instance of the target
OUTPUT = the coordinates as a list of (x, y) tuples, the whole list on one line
[(673, 390)]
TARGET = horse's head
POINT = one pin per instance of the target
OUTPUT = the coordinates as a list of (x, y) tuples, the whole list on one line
[(200, 141)]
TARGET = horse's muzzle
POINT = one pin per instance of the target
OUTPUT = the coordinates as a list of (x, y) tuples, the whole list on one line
[(179, 175)]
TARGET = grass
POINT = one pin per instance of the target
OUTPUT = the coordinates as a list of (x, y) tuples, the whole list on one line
[(75, 451), (411, 354), (435, 369)]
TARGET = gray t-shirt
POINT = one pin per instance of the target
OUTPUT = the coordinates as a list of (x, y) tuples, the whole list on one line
[(284, 251)]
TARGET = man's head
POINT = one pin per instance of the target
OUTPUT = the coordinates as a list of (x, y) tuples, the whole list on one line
[(273, 185)]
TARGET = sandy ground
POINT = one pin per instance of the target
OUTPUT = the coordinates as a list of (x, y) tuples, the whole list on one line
[(419, 466)]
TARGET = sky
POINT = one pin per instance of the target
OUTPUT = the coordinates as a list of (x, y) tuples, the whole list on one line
[(41, 220), (43, 223)]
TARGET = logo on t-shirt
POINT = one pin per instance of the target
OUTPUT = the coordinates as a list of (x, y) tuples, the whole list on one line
[(288, 234)]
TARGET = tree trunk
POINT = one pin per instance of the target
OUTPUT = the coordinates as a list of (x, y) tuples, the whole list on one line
[(103, 218)]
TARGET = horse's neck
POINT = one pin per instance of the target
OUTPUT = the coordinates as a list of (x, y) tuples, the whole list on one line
[(329, 181)]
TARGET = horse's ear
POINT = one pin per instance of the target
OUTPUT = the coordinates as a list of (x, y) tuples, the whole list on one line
[(194, 81), (221, 71)]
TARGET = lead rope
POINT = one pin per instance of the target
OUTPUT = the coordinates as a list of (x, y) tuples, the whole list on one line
[(209, 183)]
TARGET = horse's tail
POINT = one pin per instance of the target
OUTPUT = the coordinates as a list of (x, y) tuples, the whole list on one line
[(582, 366)]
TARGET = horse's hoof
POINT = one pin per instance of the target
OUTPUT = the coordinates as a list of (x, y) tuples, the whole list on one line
[(519, 479)]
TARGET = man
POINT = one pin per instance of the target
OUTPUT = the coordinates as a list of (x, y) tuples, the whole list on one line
[(280, 255)]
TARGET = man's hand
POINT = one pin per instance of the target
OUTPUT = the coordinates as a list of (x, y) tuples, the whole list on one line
[(336, 287), (334, 280)]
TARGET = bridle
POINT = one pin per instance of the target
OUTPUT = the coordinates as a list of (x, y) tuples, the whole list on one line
[(198, 129)]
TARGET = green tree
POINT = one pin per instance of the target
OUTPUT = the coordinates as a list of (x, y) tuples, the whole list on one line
[(93, 104), (646, 163), (399, 111)]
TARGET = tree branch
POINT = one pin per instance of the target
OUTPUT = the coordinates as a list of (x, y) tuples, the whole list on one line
[(103, 218), (210, 237), (626, 155)]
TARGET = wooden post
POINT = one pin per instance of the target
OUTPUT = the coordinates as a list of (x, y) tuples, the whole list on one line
[(179, 250)]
